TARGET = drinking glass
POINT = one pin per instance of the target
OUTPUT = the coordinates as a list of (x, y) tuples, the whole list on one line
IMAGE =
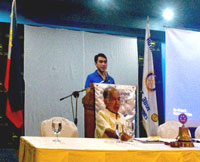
[(56, 128), (130, 129), (119, 130)]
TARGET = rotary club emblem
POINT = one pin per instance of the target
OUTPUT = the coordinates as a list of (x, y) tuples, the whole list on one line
[(182, 118), (150, 82), (154, 117)]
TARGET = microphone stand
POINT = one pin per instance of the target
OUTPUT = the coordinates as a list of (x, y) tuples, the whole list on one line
[(76, 95)]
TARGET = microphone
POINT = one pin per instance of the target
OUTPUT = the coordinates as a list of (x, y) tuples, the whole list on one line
[(107, 79)]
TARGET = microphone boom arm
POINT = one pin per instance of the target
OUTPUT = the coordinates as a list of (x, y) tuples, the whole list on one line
[(76, 95)]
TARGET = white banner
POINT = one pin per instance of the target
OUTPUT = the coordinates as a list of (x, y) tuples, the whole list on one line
[(182, 75), (149, 100), (127, 99)]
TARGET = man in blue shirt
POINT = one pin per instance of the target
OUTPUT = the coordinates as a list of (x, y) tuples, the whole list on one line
[(100, 75)]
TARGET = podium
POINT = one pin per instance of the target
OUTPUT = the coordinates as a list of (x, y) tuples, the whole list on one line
[(89, 112)]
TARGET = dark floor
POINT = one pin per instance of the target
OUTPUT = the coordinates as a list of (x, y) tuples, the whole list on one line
[(8, 155)]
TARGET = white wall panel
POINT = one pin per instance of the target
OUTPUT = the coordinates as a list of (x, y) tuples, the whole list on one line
[(56, 63)]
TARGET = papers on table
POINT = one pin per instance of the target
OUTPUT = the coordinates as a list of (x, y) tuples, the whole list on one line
[(196, 140), (154, 140)]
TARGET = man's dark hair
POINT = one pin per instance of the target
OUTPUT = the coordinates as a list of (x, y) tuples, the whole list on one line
[(106, 92), (99, 55)]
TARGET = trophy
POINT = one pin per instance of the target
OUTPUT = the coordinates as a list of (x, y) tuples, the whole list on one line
[(184, 136)]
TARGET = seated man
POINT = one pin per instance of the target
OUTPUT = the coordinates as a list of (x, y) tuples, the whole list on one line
[(106, 119)]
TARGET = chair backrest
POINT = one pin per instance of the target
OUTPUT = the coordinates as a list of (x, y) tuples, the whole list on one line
[(197, 132), (69, 129), (169, 129)]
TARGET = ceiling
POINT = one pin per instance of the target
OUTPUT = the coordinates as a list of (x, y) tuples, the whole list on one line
[(127, 13), (115, 15)]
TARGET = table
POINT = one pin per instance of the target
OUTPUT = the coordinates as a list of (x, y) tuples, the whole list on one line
[(43, 149)]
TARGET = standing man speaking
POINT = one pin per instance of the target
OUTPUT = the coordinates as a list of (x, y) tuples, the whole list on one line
[(100, 75)]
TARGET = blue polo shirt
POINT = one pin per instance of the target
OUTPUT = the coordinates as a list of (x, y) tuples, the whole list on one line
[(96, 78)]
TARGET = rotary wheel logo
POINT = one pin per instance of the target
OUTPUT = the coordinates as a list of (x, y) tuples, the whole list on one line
[(150, 82), (154, 117), (182, 118)]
